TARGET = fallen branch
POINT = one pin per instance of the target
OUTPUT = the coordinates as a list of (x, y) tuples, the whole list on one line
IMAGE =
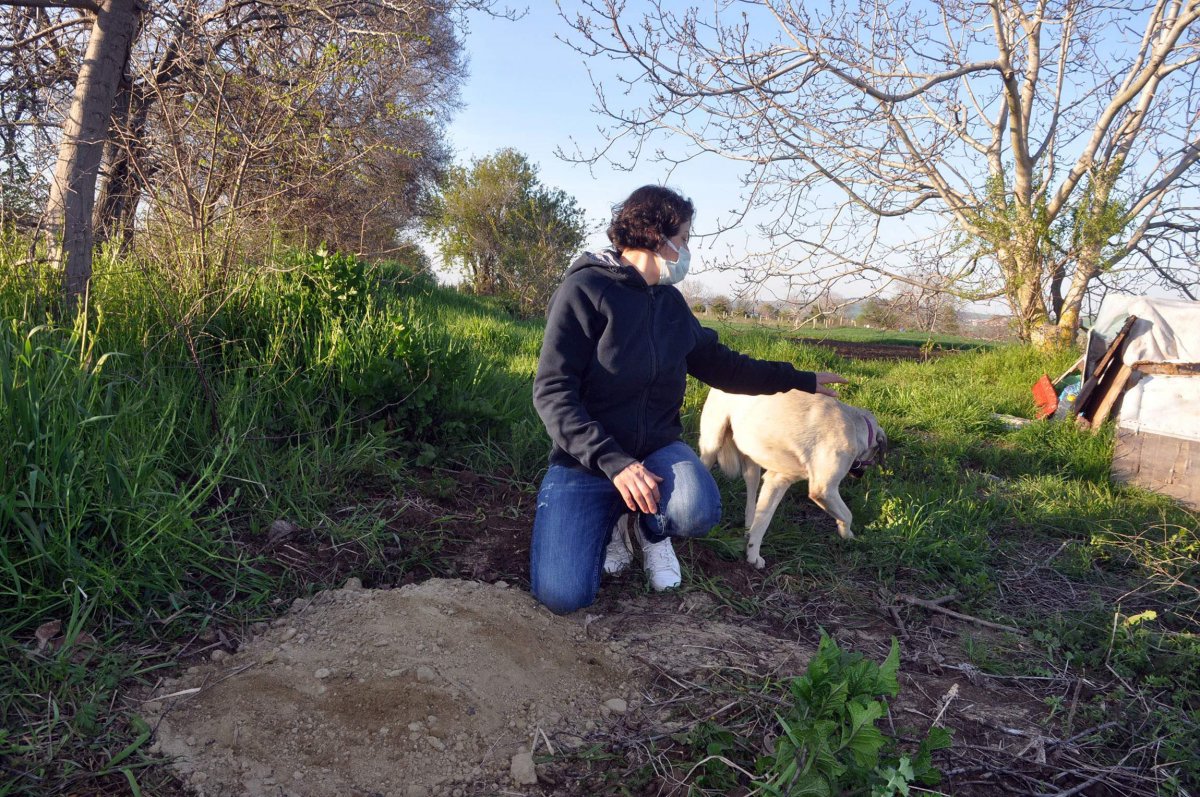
[(937, 607)]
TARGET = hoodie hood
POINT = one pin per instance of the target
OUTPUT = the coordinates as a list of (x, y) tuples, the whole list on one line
[(609, 262)]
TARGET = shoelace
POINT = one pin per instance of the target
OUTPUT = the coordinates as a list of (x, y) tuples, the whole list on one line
[(659, 555)]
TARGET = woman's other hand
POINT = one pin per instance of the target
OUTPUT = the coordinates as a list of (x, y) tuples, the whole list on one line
[(825, 378), (639, 488)]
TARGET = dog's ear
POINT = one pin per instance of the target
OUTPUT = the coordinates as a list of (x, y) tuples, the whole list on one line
[(881, 447)]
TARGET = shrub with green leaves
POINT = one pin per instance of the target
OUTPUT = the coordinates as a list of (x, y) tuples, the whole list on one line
[(829, 743)]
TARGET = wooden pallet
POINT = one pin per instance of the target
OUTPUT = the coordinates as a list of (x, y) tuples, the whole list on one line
[(1167, 465)]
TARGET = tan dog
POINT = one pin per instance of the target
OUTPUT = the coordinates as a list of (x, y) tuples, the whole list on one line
[(793, 436)]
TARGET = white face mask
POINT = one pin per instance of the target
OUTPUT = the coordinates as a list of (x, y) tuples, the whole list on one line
[(672, 273)]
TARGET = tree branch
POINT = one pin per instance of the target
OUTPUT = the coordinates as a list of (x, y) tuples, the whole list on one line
[(50, 31), (86, 5)]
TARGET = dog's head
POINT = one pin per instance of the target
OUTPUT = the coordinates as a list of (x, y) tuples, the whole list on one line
[(877, 446)]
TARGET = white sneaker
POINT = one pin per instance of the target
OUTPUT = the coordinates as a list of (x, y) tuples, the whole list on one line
[(660, 563), (617, 555)]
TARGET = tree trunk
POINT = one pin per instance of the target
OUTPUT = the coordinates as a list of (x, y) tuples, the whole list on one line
[(126, 166), (1023, 274), (1086, 268), (85, 129)]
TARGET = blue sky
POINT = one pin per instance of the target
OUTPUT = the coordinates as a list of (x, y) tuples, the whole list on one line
[(530, 91)]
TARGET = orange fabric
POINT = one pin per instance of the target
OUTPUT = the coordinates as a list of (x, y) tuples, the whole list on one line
[(1045, 397)]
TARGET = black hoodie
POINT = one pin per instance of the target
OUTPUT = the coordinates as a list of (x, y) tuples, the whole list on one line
[(614, 366)]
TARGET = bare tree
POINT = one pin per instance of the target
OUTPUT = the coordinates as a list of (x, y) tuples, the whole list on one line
[(322, 117), (1055, 140), (38, 60), (84, 130)]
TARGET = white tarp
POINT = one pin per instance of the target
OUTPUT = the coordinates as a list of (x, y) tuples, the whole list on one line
[(1167, 330)]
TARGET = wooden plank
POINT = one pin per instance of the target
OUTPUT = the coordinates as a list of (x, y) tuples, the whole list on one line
[(1168, 369), (1116, 346), (1077, 365), (1111, 396), (1100, 390), (1085, 401), (1168, 465), (1127, 456)]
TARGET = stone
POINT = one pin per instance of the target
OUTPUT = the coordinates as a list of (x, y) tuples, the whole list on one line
[(353, 584), (281, 529), (522, 771), (425, 674), (616, 705), (322, 673)]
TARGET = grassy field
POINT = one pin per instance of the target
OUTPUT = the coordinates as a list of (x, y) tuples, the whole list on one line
[(150, 448), (853, 334)]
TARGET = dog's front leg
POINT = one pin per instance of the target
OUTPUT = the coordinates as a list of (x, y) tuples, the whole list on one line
[(829, 499), (774, 486)]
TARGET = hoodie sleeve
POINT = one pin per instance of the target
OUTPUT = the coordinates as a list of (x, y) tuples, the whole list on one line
[(572, 329), (716, 364)]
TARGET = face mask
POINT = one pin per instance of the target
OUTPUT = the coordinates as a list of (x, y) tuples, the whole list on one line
[(671, 273)]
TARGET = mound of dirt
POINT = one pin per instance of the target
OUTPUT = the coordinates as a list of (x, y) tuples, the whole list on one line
[(442, 687)]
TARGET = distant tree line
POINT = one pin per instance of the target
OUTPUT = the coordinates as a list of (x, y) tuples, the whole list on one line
[(911, 308)]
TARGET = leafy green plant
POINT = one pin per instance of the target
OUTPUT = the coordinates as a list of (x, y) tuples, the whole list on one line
[(830, 743)]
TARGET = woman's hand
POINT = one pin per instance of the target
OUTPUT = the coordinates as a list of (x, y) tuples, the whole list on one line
[(825, 378), (639, 488)]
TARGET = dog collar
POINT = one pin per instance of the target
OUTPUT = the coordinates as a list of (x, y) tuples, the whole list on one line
[(859, 465)]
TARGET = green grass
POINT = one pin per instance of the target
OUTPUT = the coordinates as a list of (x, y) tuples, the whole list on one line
[(145, 444), (889, 337), (964, 504)]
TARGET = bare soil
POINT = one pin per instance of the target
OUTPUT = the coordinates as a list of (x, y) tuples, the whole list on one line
[(419, 690), (422, 685)]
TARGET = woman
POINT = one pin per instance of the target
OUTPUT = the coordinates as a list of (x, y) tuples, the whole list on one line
[(620, 342)]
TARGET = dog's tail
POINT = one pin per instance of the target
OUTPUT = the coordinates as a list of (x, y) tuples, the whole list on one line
[(716, 440)]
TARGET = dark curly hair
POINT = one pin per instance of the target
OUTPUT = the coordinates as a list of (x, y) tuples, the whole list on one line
[(649, 215)]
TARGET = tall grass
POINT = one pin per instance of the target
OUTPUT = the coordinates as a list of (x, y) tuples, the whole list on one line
[(146, 440), (132, 433)]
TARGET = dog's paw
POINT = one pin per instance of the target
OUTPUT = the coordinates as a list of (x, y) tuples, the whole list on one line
[(845, 532), (756, 560)]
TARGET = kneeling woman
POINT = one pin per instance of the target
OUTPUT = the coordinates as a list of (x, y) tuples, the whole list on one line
[(620, 342)]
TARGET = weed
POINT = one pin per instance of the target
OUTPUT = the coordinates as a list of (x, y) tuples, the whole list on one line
[(829, 741)]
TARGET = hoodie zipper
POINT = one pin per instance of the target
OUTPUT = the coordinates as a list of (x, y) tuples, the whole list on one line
[(653, 374)]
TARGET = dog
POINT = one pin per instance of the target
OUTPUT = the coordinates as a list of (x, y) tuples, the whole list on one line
[(792, 436)]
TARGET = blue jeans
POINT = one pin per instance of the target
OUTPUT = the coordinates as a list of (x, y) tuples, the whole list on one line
[(576, 512)]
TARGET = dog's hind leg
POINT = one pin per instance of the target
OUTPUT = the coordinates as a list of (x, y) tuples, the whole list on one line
[(774, 486), (828, 498), (752, 473)]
